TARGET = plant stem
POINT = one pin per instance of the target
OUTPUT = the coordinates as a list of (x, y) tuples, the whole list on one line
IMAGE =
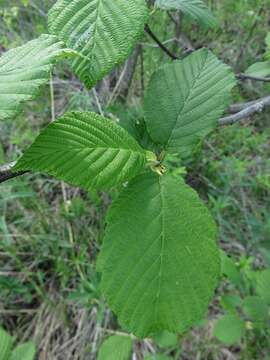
[(159, 43), (7, 174)]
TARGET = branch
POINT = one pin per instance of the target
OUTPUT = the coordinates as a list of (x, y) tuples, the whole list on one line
[(159, 43), (241, 106), (7, 174), (247, 111), (252, 77)]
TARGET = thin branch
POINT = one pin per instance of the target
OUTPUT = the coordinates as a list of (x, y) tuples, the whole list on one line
[(235, 108), (98, 102), (7, 174), (172, 18), (159, 43), (251, 77), (248, 111)]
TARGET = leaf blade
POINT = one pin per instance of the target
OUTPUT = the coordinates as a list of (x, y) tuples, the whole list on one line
[(140, 280), (24, 351), (85, 149), (185, 99), (197, 9), (24, 70), (262, 286), (255, 308), (104, 32), (116, 347), (5, 344), (259, 69), (229, 329)]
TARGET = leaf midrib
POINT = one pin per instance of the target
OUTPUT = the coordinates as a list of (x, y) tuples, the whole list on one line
[(81, 148), (162, 247)]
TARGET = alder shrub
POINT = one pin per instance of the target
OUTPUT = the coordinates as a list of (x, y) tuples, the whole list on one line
[(159, 260)]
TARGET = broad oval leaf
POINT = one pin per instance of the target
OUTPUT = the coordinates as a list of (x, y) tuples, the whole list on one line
[(5, 344), (85, 149), (197, 9), (159, 259), (165, 339), (103, 31), (25, 69), (24, 351), (229, 329), (185, 99), (116, 347)]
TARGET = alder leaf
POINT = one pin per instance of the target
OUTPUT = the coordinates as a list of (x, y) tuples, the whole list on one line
[(85, 149), (159, 259), (197, 9), (25, 69), (103, 31), (116, 347), (185, 99)]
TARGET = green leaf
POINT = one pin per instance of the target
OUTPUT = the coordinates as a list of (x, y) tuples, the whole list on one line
[(5, 345), (263, 285), (24, 351), (24, 70), (116, 348), (185, 99), (267, 41), (197, 9), (261, 69), (85, 149), (229, 329), (103, 31), (230, 302), (255, 308), (2, 154), (159, 258), (229, 269), (165, 339)]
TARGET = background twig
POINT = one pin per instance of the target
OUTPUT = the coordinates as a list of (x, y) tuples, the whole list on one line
[(252, 77), (160, 44), (7, 174), (247, 111)]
